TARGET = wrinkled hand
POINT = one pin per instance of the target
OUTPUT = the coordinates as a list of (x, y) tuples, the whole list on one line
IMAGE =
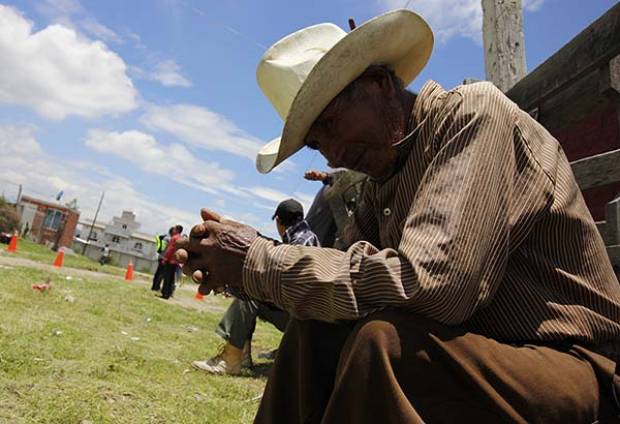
[(214, 252)]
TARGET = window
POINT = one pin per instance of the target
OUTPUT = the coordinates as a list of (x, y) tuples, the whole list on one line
[(116, 239), (138, 246), (93, 236), (124, 226), (52, 219)]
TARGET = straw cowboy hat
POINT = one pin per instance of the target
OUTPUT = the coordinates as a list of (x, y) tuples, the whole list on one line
[(303, 72)]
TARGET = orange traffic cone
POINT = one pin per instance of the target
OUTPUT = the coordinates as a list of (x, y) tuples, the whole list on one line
[(129, 272), (12, 245), (60, 257), (198, 296)]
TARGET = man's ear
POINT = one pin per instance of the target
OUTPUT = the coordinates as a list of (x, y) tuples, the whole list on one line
[(382, 78)]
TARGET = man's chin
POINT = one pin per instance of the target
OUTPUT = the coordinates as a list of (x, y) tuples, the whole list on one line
[(372, 172), (377, 173)]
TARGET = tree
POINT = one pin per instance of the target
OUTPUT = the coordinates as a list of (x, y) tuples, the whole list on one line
[(9, 218)]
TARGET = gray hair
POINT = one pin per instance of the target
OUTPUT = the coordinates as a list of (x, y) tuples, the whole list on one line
[(351, 91)]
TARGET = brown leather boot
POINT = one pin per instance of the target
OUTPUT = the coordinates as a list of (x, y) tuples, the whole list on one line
[(227, 361)]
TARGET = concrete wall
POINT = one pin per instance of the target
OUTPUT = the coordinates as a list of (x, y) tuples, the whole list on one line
[(119, 258)]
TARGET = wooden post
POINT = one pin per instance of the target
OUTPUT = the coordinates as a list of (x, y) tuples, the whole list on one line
[(504, 45)]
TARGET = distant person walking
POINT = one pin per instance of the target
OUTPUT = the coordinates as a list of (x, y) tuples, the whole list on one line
[(105, 255)]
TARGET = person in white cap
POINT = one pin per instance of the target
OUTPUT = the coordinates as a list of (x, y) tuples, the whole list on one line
[(476, 287)]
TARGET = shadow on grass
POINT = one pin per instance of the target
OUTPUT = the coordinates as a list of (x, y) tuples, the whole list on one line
[(260, 370)]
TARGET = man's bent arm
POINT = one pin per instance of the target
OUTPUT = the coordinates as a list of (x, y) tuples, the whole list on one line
[(455, 241)]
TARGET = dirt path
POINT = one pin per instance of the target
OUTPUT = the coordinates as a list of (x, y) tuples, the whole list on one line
[(184, 295), (14, 261)]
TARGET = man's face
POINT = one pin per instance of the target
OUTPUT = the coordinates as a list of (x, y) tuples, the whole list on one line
[(358, 131)]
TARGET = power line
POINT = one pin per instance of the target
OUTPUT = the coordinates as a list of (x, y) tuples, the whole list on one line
[(230, 29)]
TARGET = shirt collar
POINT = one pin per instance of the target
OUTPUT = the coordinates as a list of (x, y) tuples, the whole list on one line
[(293, 232), (428, 94)]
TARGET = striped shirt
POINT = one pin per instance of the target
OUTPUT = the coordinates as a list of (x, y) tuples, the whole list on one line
[(483, 225)]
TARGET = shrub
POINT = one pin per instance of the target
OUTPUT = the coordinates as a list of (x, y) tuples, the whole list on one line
[(9, 218)]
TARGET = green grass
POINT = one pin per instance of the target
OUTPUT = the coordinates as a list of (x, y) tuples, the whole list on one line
[(37, 252), (63, 362)]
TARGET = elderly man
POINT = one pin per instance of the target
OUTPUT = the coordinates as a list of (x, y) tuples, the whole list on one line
[(476, 287)]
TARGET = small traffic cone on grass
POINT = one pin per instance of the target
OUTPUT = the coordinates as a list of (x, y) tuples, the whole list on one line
[(60, 257), (12, 245), (129, 272), (198, 296)]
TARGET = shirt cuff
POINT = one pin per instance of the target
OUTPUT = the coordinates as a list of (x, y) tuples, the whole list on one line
[(262, 269)]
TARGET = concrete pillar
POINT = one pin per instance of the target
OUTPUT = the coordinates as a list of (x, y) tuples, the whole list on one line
[(504, 45)]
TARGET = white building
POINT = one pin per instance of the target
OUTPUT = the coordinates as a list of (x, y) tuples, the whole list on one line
[(121, 235)]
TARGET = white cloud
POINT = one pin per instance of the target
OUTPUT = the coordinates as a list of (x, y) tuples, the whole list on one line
[(174, 160), (18, 140), (447, 18), (263, 206), (72, 14), (452, 18), (201, 127), (43, 176), (100, 31), (168, 73), (532, 5), (305, 199), (55, 8), (267, 193), (58, 73)]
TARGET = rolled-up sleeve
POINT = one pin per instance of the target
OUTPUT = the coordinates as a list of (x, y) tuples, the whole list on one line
[(454, 244)]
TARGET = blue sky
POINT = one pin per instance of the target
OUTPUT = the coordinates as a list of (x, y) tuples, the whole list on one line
[(155, 102)]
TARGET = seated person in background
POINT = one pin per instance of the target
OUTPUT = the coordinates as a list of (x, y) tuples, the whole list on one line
[(476, 287), (238, 324), (334, 204), (319, 216)]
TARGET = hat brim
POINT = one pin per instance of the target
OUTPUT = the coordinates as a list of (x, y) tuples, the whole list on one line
[(400, 39)]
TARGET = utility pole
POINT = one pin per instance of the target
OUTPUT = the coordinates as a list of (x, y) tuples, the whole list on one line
[(504, 44), (90, 232)]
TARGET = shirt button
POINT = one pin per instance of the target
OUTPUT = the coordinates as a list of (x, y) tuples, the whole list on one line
[(387, 212)]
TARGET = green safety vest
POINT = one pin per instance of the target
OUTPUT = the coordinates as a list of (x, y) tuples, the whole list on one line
[(160, 243)]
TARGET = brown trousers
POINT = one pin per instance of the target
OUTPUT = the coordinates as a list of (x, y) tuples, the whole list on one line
[(395, 367)]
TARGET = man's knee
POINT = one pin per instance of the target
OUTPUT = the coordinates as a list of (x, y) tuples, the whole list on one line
[(394, 327), (374, 334)]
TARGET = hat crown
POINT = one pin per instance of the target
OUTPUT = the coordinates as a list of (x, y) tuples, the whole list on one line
[(284, 67)]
